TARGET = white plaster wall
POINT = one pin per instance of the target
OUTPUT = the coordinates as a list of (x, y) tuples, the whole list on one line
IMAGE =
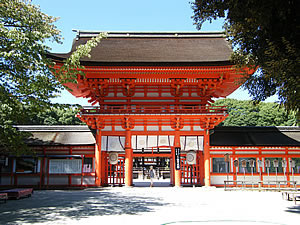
[(254, 179), (197, 128), (219, 180), (273, 178), (5, 180), (138, 128), (186, 128), (88, 180), (76, 180), (166, 128), (58, 180), (296, 178), (28, 180), (119, 128), (107, 128), (152, 128)]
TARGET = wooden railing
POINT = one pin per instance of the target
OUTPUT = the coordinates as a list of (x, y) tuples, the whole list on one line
[(153, 109), (261, 185)]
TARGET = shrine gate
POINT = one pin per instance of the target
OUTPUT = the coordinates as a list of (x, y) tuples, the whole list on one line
[(152, 93)]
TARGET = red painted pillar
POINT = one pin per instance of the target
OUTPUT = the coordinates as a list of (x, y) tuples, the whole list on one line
[(98, 160), (103, 169), (177, 173), (128, 159), (206, 158)]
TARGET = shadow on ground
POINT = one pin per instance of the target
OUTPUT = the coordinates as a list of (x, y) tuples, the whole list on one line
[(48, 206)]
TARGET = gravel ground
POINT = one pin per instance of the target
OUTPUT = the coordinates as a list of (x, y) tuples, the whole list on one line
[(144, 205)]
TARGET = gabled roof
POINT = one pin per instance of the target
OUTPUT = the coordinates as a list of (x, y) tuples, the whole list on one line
[(220, 136), (58, 135), (123, 48), (255, 136)]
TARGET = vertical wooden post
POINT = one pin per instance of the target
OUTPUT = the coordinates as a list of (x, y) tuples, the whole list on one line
[(104, 168), (234, 170), (70, 176), (260, 170), (177, 173), (128, 158), (206, 158), (98, 161)]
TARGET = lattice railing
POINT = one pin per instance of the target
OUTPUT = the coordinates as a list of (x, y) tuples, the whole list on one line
[(154, 109)]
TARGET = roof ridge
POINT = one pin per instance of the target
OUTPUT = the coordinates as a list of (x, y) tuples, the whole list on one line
[(127, 34)]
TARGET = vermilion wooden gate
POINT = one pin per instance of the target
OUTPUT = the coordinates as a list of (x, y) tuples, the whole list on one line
[(116, 173), (192, 174)]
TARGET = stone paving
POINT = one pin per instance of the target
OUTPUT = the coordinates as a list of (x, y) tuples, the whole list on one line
[(145, 205)]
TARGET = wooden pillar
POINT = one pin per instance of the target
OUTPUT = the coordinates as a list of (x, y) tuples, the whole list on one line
[(103, 168), (128, 158), (260, 170), (98, 160), (177, 173), (206, 158)]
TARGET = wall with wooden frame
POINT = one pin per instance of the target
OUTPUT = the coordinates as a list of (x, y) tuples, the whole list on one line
[(260, 174)]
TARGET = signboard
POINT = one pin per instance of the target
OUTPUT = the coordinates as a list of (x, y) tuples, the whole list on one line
[(177, 158), (65, 166)]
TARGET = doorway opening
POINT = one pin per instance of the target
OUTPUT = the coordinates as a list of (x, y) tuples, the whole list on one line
[(157, 158), (141, 171)]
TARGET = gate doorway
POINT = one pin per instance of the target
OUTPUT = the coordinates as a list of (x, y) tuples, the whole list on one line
[(159, 159), (191, 175), (141, 171)]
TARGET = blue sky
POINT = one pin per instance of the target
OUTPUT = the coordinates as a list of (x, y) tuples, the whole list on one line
[(121, 15)]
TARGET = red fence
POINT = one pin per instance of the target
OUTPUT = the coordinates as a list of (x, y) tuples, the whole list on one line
[(116, 173), (191, 174)]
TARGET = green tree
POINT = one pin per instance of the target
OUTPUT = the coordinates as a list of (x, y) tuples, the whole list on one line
[(247, 113), (27, 82), (56, 116), (265, 34)]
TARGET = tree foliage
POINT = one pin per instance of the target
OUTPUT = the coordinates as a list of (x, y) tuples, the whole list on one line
[(56, 116), (27, 80), (265, 34), (247, 113)]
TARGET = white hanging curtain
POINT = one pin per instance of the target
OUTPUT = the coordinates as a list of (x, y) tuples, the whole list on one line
[(112, 143)]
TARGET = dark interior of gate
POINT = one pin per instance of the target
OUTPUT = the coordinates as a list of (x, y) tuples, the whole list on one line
[(160, 159), (157, 158)]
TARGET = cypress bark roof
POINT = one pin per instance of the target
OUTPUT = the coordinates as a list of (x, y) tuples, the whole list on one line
[(154, 48), (255, 136), (220, 136)]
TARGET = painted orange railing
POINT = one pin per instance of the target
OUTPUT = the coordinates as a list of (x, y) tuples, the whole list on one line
[(154, 109)]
